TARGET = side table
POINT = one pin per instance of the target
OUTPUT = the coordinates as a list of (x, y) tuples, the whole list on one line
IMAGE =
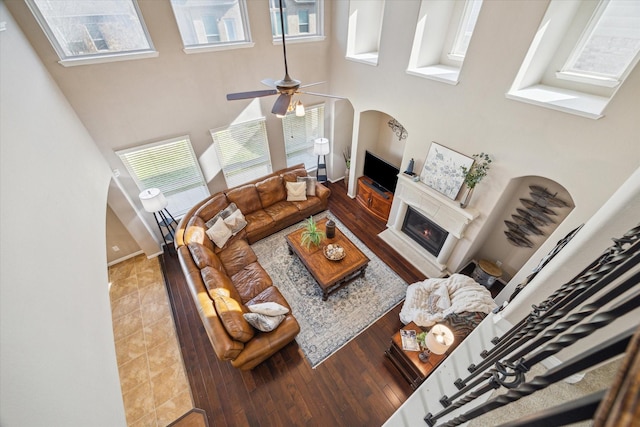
[(407, 362)]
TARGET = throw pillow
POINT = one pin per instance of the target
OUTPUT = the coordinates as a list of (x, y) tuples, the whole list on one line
[(219, 233), (268, 308), (296, 191), (263, 322), (235, 221), (225, 213), (311, 184)]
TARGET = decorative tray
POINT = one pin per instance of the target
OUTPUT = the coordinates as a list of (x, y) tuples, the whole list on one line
[(334, 252)]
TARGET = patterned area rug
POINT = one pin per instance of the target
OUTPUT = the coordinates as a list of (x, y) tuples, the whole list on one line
[(326, 326)]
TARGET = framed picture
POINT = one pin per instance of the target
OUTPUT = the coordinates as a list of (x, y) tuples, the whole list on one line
[(442, 170)]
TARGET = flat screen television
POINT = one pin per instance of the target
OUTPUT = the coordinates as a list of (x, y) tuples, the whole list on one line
[(381, 172)]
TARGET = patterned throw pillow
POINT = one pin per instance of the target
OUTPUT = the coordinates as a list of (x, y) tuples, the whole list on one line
[(296, 191), (219, 233), (311, 184), (262, 322), (225, 213), (268, 308), (235, 221)]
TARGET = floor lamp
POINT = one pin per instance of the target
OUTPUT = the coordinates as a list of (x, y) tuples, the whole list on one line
[(154, 202), (321, 148)]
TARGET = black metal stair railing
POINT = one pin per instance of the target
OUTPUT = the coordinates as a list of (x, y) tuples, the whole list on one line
[(559, 322), (622, 259), (515, 368), (566, 298)]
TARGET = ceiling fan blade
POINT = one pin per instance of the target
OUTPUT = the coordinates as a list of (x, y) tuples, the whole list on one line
[(269, 82), (281, 105), (312, 84), (252, 94), (321, 94)]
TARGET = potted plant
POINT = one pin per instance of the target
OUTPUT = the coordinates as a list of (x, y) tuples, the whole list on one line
[(311, 235), (474, 175)]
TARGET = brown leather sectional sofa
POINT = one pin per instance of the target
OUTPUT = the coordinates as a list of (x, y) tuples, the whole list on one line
[(225, 281)]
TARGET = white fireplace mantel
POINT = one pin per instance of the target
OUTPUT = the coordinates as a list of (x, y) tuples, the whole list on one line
[(438, 208)]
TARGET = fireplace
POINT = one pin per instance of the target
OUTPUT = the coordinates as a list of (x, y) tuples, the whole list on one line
[(425, 232)]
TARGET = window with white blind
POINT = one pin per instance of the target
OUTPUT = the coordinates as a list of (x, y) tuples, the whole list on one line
[(170, 166), (299, 134), (243, 151), (91, 31)]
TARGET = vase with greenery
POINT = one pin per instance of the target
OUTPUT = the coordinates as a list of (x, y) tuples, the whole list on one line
[(346, 154), (474, 175), (312, 235)]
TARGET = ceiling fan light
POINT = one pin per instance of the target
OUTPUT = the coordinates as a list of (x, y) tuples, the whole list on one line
[(299, 109), (280, 116)]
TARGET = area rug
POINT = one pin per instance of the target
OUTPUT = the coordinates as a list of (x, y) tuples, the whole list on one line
[(326, 326)]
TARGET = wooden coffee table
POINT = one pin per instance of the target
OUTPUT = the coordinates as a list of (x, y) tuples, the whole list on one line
[(330, 275)]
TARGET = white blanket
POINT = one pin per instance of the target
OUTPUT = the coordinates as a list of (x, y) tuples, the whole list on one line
[(431, 300)]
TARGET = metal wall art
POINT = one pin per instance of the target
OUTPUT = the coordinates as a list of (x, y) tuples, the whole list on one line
[(535, 215)]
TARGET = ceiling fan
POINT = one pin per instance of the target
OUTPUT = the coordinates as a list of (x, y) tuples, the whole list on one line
[(287, 87)]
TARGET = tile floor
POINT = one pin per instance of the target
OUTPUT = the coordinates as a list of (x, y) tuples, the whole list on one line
[(155, 389)]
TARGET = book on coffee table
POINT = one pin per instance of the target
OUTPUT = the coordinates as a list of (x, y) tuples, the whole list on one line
[(409, 340)]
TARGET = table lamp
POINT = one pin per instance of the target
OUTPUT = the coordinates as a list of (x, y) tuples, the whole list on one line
[(321, 148), (438, 340)]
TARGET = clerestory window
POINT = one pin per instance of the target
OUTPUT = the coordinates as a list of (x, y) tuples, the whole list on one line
[(365, 30), (172, 167), (243, 151), (303, 20), (207, 25), (443, 34), (300, 133), (580, 55), (85, 32)]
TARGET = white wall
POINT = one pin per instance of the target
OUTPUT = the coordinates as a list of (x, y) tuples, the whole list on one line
[(589, 158), (58, 364)]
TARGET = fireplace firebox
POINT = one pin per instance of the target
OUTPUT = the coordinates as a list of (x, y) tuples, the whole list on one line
[(424, 231)]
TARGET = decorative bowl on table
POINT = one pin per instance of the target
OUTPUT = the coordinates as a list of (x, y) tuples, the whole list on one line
[(334, 252)]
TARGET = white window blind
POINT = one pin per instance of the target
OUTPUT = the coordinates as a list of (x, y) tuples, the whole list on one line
[(299, 134), (243, 151), (170, 166)]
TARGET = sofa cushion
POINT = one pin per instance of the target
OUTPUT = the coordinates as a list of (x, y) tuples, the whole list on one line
[(269, 308), (218, 283), (258, 221), (246, 198), (231, 314), (262, 322), (236, 256), (219, 233), (309, 206), (196, 231), (251, 281), (310, 182), (280, 211), (296, 191), (204, 257), (216, 204), (271, 191), (292, 176), (270, 294)]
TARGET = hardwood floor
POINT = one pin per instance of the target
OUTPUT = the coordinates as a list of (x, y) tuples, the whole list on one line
[(357, 386)]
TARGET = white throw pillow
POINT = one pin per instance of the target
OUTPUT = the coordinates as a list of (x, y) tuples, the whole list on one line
[(262, 322), (219, 233), (235, 221), (268, 308), (296, 191), (311, 184)]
